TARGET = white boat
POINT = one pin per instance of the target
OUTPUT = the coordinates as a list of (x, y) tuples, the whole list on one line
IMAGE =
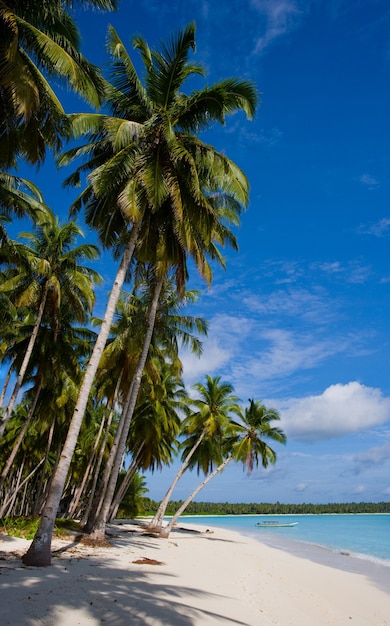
[(275, 524)]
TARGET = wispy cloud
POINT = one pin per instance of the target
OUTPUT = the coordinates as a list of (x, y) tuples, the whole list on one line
[(270, 341), (281, 271), (282, 354), (246, 135), (378, 455), (221, 348), (354, 271), (310, 306), (369, 181), (378, 229), (214, 357), (359, 489), (338, 411), (301, 487), (279, 18)]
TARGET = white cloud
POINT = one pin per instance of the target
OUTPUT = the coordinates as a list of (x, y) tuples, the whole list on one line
[(220, 347), (375, 456), (267, 137), (340, 410), (369, 181), (359, 489), (379, 229), (253, 354), (314, 306), (280, 17), (286, 353), (213, 358), (301, 487), (352, 272)]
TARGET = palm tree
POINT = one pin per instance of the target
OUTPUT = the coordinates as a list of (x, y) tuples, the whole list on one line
[(145, 158), (19, 197), (53, 376), (246, 442), (214, 408), (44, 275), (40, 40), (169, 330), (155, 424)]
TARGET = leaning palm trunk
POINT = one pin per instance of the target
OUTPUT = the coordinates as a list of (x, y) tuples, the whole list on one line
[(98, 498), (100, 526), (18, 488), (6, 383), (40, 490), (80, 490), (124, 485), (39, 552), (94, 499), (26, 360), (20, 437), (157, 522), (90, 502), (164, 532)]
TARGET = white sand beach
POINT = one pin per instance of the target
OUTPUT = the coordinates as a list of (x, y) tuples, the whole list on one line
[(191, 579)]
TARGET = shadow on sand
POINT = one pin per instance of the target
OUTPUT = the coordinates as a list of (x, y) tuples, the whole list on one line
[(95, 590)]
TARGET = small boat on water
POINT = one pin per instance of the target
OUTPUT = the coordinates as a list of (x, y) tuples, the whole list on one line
[(275, 524)]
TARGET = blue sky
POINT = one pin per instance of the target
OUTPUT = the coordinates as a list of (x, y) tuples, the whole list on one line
[(299, 319)]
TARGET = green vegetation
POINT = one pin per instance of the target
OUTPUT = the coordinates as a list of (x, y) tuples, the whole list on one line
[(80, 394), (265, 508), (26, 527)]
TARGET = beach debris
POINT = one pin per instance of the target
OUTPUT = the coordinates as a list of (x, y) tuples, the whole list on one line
[(146, 561)]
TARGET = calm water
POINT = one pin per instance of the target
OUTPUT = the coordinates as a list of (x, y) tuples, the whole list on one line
[(366, 536)]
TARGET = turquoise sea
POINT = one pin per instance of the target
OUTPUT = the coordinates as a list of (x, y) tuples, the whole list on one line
[(364, 536)]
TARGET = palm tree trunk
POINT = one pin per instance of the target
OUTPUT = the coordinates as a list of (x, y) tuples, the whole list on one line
[(5, 503), (80, 490), (37, 504), (124, 485), (6, 382), (26, 360), (167, 529), (95, 499), (94, 504), (19, 440), (39, 552), (98, 499), (100, 526), (157, 522)]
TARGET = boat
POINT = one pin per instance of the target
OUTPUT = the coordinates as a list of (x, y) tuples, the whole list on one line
[(275, 524)]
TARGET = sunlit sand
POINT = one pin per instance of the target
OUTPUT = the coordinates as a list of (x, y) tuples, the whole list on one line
[(194, 578)]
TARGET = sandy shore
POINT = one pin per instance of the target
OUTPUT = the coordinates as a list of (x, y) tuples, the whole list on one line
[(192, 579)]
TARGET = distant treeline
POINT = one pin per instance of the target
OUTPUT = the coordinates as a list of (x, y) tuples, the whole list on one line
[(265, 508)]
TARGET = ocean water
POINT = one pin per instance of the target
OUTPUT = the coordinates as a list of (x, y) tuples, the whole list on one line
[(365, 536)]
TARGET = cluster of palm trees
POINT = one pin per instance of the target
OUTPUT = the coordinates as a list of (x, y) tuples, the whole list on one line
[(84, 393)]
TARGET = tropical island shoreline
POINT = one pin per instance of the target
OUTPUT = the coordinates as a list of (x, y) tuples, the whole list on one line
[(199, 576)]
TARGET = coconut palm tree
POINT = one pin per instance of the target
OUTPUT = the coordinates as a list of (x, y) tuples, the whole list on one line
[(169, 329), (246, 442), (145, 157), (40, 41), (155, 424), (19, 197), (214, 409), (44, 275), (53, 378)]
